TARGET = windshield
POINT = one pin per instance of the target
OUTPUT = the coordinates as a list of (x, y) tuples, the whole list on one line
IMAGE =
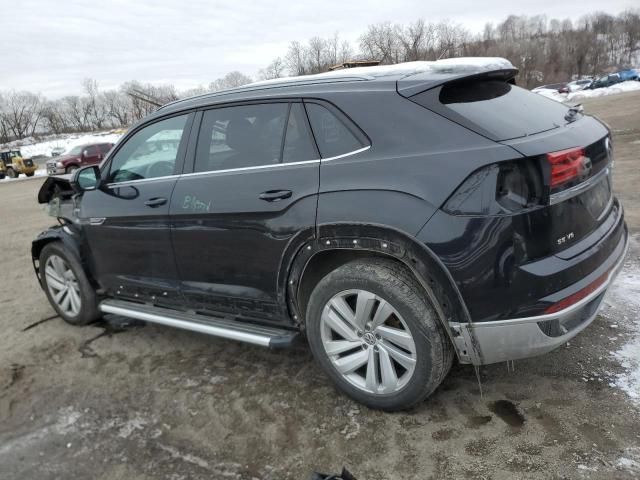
[(14, 154), (75, 151)]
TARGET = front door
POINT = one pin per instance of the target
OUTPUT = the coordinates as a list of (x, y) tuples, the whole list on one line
[(127, 220), (90, 155), (253, 188)]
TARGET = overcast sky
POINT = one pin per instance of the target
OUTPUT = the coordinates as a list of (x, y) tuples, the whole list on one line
[(49, 46)]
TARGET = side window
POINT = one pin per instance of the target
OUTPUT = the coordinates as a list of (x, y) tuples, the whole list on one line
[(91, 151), (298, 144), (105, 147), (331, 134), (150, 152), (239, 137)]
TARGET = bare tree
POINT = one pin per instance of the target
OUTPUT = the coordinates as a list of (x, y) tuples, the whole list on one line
[(381, 42), (98, 111), (295, 59), (274, 70), (230, 80), (21, 113), (119, 107)]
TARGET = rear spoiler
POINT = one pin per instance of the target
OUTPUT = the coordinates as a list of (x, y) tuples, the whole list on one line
[(413, 84)]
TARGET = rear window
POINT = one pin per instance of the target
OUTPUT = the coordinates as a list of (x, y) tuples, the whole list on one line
[(495, 109)]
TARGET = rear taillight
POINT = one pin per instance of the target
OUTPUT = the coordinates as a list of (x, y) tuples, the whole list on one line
[(499, 189), (566, 165)]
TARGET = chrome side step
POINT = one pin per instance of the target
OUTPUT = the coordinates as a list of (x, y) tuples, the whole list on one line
[(219, 327)]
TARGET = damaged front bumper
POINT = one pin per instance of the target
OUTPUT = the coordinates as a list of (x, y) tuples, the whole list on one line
[(484, 343)]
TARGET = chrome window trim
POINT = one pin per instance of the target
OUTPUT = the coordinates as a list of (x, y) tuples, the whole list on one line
[(348, 154), (578, 189), (142, 180), (241, 169)]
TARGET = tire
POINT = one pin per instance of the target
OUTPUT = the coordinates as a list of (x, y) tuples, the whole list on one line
[(2, 175), (54, 281), (11, 173), (378, 281), (30, 174), (71, 169)]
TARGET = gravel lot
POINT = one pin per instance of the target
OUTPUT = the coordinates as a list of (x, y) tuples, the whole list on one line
[(127, 401)]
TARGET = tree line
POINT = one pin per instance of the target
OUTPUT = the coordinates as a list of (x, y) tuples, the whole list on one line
[(544, 50)]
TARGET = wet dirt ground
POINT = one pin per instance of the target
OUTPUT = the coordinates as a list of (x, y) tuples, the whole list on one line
[(124, 400)]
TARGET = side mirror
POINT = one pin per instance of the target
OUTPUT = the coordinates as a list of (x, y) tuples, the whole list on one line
[(85, 179)]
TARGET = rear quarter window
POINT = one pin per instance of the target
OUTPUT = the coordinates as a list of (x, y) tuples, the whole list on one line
[(332, 134), (495, 109)]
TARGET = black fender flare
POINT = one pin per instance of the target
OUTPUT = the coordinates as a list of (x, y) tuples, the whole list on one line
[(57, 233), (387, 241)]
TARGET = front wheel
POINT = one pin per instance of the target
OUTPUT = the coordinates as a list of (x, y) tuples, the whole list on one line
[(11, 173), (375, 333), (71, 169), (67, 286)]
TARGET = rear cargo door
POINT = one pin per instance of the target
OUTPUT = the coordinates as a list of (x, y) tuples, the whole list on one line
[(572, 150), (583, 198)]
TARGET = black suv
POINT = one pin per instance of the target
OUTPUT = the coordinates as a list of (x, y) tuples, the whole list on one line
[(396, 216)]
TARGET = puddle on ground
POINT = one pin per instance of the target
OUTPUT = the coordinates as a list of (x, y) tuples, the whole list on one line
[(508, 412)]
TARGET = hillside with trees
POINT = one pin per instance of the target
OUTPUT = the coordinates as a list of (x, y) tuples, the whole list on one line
[(544, 51)]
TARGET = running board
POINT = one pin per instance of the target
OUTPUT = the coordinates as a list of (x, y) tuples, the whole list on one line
[(218, 327)]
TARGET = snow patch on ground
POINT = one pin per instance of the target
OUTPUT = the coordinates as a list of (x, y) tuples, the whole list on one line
[(624, 299), (622, 87), (630, 461)]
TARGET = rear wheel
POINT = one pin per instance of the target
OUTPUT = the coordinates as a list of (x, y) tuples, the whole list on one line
[(11, 173), (372, 328), (67, 286), (30, 174)]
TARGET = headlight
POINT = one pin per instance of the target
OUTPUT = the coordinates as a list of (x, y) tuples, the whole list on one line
[(59, 164)]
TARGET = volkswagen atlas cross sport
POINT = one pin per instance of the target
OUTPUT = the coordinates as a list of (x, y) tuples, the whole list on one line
[(397, 217)]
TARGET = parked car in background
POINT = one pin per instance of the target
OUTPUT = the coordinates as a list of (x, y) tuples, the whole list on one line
[(56, 151), (13, 164), (579, 84), (396, 220), (558, 87), (77, 157), (605, 81), (630, 74)]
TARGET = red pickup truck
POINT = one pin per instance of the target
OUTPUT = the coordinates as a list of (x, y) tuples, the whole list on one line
[(77, 157)]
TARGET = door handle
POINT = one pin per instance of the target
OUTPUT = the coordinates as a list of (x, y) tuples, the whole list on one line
[(275, 195), (155, 202)]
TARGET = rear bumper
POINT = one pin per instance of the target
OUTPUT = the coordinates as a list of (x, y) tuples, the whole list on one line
[(502, 340)]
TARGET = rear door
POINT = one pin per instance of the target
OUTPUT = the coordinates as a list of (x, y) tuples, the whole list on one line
[(251, 194), (127, 223)]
